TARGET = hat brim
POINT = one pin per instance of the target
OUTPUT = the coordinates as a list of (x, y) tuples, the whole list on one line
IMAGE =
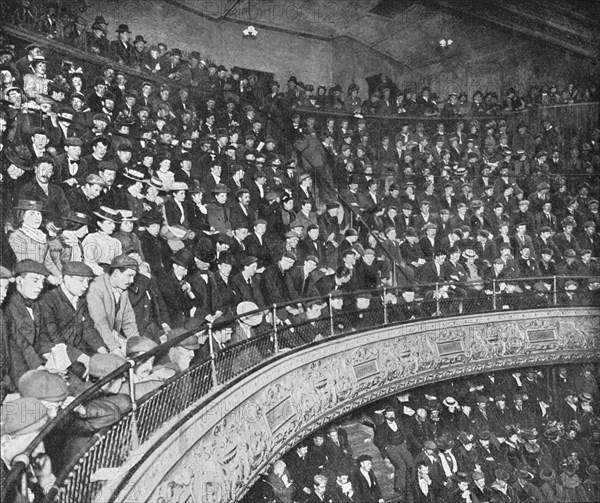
[(41, 210), (114, 220)]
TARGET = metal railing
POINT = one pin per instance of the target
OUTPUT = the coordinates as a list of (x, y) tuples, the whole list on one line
[(112, 447)]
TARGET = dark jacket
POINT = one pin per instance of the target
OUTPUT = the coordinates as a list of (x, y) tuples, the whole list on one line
[(55, 203), (61, 322), (23, 335)]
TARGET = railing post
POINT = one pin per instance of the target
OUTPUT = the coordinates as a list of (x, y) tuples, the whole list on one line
[(131, 374), (385, 312), (494, 294), (555, 295), (213, 364), (135, 441), (275, 341), (331, 324), (438, 311)]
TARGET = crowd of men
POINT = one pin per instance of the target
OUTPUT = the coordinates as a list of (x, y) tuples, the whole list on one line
[(131, 214), (520, 436)]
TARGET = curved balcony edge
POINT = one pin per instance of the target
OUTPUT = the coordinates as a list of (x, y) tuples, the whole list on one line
[(217, 451)]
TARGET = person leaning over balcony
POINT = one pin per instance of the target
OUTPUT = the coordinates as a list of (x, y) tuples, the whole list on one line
[(22, 420), (95, 416), (109, 304)]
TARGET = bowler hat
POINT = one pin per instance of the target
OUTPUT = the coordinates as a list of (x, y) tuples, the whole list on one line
[(123, 28)]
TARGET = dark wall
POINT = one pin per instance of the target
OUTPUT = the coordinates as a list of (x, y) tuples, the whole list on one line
[(482, 57)]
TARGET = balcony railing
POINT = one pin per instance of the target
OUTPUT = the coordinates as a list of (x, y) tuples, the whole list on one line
[(112, 447)]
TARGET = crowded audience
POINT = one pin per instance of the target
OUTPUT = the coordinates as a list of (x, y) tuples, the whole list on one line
[(134, 212), (510, 436)]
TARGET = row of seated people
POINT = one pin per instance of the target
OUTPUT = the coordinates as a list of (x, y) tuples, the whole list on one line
[(498, 437), (385, 97)]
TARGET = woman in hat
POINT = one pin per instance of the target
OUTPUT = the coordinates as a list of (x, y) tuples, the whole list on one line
[(569, 486), (164, 173), (132, 191), (129, 239), (176, 215), (18, 172), (155, 248), (75, 228), (29, 241), (100, 247), (152, 192)]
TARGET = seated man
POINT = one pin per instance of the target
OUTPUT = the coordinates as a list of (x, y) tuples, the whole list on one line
[(109, 304), (23, 318), (66, 318), (276, 287), (151, 314)]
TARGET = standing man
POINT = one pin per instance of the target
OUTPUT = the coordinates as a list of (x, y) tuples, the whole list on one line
[(391, 439)]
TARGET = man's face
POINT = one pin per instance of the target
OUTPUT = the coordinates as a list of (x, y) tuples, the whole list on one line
[(123, 279), (76, 285), (225, 269), (40, 141), (286, 263), (15, 98), (221, 197), (260, 229), (93, 191), (73, 151), (108, 176), (31, 285), (43, 172), (100, 149), (124, 156)]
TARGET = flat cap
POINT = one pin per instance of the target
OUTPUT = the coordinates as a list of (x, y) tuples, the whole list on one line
[(190, 342), (43, 385), (31, 266), (103, 364), (77, 269), (124, 261)]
